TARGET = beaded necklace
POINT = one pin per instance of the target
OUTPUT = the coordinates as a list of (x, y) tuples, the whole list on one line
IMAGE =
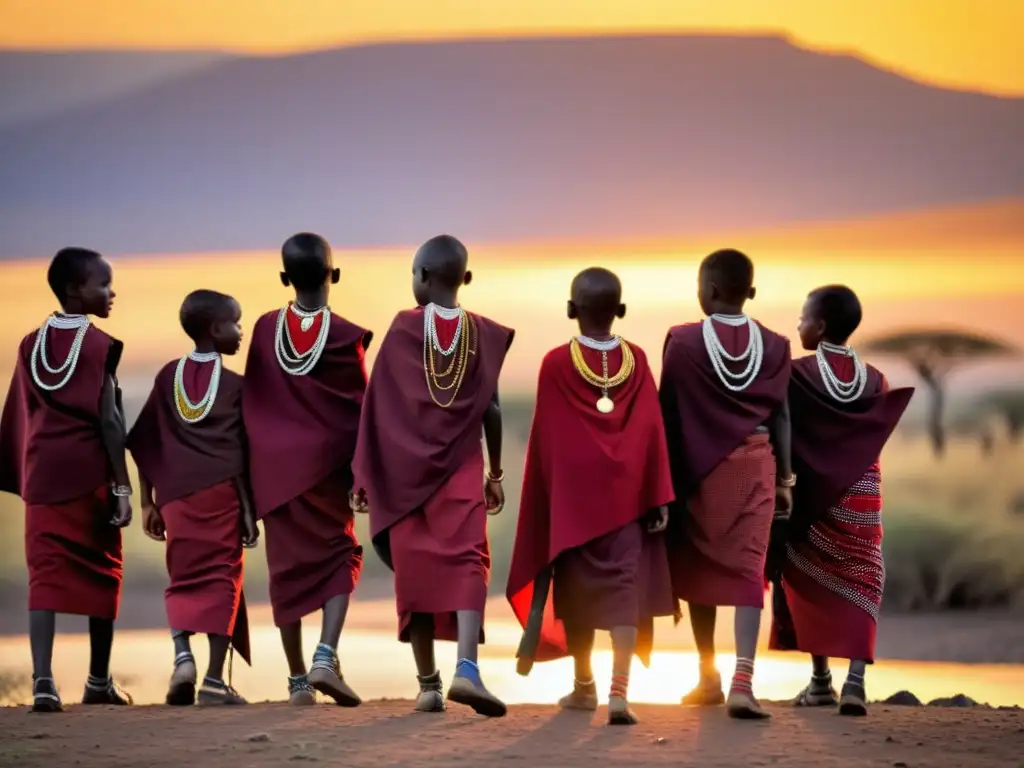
[(839, 390), (459, 350), (753, 354), (79, 323), (290, 360), (193, 413), (604, 382)]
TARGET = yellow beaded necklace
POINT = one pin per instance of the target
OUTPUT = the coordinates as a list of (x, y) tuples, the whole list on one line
[(604, 382), (456, 368)]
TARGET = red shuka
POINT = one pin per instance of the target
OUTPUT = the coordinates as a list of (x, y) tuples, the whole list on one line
[(52, 456), (301, 429), (193, 468), (589, 475), (409, 446), (421, 466)]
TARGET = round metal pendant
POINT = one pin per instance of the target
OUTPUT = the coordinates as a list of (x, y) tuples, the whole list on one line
[(605, 405), (306, 323)]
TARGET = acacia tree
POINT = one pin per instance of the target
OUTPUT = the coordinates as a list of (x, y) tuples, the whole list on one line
[(933, 354)]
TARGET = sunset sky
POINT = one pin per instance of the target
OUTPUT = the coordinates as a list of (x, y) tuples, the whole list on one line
[(964, 43)]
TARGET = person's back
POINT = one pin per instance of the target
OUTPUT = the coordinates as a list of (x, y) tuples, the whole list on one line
[(723, 393), (304, 383), (830, 583), (419, 469), (596, 483), (188, 444), (62, 452)]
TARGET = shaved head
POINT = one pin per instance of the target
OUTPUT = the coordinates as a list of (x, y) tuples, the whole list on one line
[(444, 258), (307, 261), (596, 299), (598, 290)]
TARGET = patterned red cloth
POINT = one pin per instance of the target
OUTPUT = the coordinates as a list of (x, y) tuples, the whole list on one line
[(833, 579), (720, 559)]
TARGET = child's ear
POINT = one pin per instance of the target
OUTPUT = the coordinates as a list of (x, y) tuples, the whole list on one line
[(571, 310), (284, 280), (335, 276), (424, 275), (468, 278), (620, 311), (753, 292)]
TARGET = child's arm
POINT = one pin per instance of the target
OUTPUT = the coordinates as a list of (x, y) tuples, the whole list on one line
[(152, 522), (112, 433), (250, 531), (494, 493), (781, 433)]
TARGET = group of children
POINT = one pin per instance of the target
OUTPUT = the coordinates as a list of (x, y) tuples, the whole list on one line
[(635, 497)]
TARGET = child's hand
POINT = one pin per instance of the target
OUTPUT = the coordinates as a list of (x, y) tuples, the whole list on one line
[(659, 521), (494, 495), (357, 502), (783, 502), (153, 523), (250, 531), (122, 511)]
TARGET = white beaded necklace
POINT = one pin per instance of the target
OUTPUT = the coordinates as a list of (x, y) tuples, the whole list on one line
[(430, 313), (80, 323), (290, 360), (753, 354), (601, 346), (842, 391), (205, 405)]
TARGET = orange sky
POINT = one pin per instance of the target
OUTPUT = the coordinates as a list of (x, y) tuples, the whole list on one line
[(964, 43)]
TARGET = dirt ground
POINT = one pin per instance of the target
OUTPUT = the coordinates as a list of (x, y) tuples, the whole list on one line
[(389, 734)]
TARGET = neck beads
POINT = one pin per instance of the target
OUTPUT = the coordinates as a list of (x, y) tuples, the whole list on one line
[(193, 413), (720, 357), (839, 390), (290, 360), (78, 323), (456, 353), (602, 381)]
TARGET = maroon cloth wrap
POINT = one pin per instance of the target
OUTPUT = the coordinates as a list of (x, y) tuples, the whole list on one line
[(409, 446), (301, 429), (722, 471), (440, 554), (589, 480), (179, 458), (52, 456), (835, 443), (51, 445), (74, 556), (312, 551), (205, 564), (704, 421)]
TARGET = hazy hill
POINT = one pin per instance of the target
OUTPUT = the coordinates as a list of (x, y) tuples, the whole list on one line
[(38, 84), (613, 137)]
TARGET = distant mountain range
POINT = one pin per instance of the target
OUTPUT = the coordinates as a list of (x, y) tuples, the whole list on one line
[(38, 84), (497, 140)]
